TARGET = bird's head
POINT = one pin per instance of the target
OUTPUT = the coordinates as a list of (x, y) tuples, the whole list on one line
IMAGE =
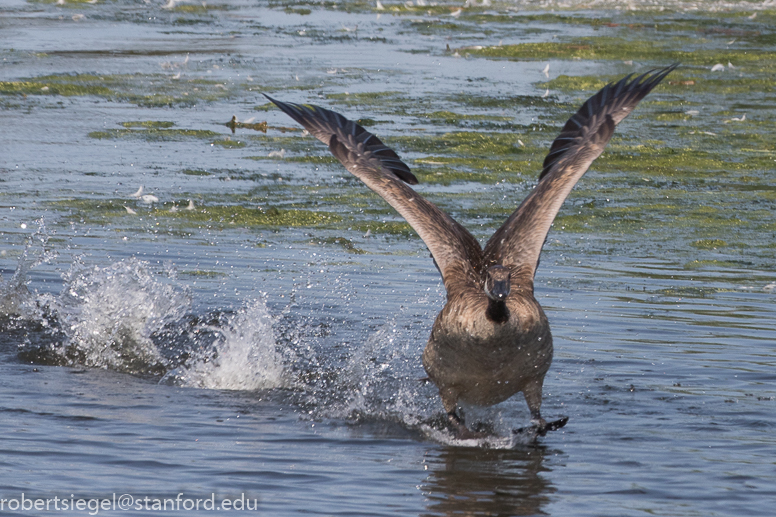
[(497, 283)]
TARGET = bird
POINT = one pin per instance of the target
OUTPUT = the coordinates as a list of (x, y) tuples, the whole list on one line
[(491, 339)]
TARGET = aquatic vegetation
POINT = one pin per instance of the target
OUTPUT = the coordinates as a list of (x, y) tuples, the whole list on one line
[(149, 124), (614, 48), (709, 244), (448, 117), (154, 90), (228, 143), (153, 134), (52, 88), (343, 242), (250, 217), (303, 11), (235, 124)]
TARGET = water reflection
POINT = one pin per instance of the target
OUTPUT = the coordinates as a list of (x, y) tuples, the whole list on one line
[(472, 481)]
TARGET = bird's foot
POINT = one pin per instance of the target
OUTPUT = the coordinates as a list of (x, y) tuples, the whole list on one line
[(541, 427), (461, 431)]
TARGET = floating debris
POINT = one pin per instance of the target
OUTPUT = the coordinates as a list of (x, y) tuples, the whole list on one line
[(719, 67), (247, 124), (742, 118), (277, 154), (130, 211)]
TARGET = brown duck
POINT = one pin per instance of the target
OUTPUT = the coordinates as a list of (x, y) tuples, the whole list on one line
[(492, 338)]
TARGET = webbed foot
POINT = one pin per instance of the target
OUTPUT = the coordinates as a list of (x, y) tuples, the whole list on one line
[(541, 427)]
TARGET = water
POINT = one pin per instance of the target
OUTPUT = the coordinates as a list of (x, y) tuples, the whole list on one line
[(265, 346)]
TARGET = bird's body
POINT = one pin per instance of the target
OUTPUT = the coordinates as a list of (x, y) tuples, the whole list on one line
[(484, 361), (492, 339)]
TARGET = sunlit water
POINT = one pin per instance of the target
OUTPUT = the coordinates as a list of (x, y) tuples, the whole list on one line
[(145, 356)]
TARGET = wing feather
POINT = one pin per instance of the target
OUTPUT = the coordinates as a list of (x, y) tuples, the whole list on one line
[(456, 252), (518, 243)]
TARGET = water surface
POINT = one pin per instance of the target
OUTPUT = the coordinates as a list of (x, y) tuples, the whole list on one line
[(255, 332)]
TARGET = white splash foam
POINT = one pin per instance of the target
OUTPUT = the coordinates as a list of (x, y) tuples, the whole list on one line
[(15, 297), (245, 357), (381, 380), (489, 442), (109, 314)]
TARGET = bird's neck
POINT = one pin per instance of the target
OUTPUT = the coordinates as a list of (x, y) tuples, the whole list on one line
[(497, 312)]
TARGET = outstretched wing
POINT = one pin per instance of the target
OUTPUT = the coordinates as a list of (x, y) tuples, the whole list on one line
[(518, 243), (381, 169)]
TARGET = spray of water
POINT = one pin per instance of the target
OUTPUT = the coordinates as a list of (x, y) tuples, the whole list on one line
[(128, 317), (243, 357), (109, 314), (15, 297)]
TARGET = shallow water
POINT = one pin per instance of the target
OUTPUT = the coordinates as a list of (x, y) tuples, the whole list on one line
[(265, 345)]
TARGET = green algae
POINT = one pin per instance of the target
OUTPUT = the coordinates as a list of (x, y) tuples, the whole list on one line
[(52, 88), (148, 124), (228, 143), (342, 242), (253, 217), (235, 124), (450, 118), (613, 48), (394, 228), (302, 11), (384, 98), (154, 134), (154, 90), (211, 216), (466, 143), (709, 244)]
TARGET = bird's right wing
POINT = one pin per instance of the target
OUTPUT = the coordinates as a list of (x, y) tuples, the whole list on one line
[(456, 252), (518, 243)]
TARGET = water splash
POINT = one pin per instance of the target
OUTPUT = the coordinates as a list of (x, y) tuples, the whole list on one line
[(379, 381), (109, 314), (15, 298), (243, 357)]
